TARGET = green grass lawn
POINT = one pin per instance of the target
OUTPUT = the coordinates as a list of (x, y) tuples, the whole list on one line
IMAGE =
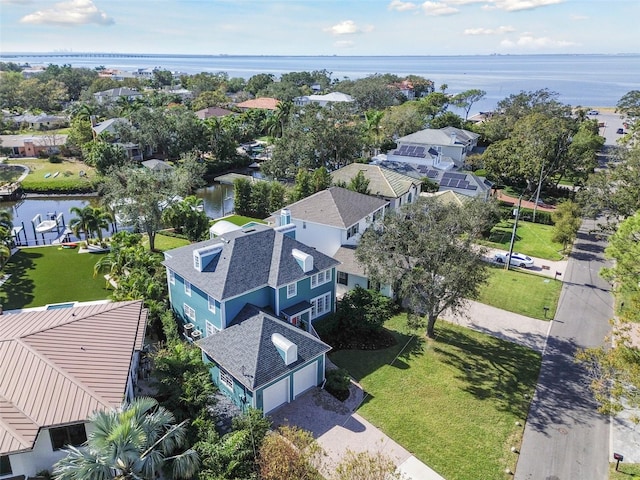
[(166, 242), (521, 292), (240, 220), (531, 239), (44, 275), (68, 178), (626, 471), (453, 402)]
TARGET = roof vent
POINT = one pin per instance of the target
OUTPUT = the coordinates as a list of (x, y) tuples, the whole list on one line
[(202, 256), (304, 260), (286, 348)]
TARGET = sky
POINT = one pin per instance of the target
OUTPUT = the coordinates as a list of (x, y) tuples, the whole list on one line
[(321, 27)]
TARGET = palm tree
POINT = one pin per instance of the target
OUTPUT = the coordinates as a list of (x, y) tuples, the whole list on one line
[(99, 221), (133, 442), (81, 223), (373, 119)]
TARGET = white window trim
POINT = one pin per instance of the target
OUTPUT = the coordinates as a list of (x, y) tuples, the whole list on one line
[(326, 305), (295, 290), (225, 379), (210, 328), (172, 277), (189, 312), (326, 278), (211, 304), (187, 288)]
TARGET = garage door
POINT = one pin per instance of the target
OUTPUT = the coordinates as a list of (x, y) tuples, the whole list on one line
[(275, 395), (304, 379)]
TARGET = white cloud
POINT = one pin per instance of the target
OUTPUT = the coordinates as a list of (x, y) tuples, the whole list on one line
[(347, 27), (73, 12), (528, 41), (489, 31), (402, 6), (438, 8), (515, 5)]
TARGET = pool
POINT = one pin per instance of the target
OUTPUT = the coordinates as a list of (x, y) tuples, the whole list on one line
[(58, 306)]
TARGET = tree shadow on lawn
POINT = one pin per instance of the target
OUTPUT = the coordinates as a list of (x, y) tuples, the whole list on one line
[(17, 291), (361, 363)]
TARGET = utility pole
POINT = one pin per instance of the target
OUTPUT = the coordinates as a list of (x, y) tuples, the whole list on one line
[(513, 233)]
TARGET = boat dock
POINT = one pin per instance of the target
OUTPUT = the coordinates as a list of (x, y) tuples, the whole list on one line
[(11, 191)]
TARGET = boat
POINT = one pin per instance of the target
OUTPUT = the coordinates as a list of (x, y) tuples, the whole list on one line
[(55, 174), (51, 223), (47, 175)]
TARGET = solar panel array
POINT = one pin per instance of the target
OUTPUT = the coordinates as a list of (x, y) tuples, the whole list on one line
[(456, 180), (411, 151)]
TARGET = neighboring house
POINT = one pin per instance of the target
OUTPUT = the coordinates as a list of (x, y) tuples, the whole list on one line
[(110, 127), (394, 187), (444, 148), (462, 183), (157, 165), (32, 72), (262, 103), (405, 87), (331, 218), (111, 95), (323, 100), (212, 285), (33, 145), (351, 273), (58, 367), (39, 122), (212, 112)]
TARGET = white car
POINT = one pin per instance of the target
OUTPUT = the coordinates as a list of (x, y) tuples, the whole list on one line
[(593, 112), (517, 259)]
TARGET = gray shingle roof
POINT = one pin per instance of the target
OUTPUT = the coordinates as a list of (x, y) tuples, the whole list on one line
[(382, 181), (442, 136), (336, 207), (249, 260), (245, 350)]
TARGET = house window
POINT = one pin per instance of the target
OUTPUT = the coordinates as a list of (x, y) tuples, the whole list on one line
[(353, 230), (226, 379), (304, 224), (187, 288), (343, 278), (212, 304), (320, 305), (172, 278), (320, 278), (211, 328), (189, 312), (73, 435), (5, 465), (292, 290)]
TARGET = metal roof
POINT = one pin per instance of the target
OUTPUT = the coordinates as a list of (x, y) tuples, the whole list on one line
[(59, 366)]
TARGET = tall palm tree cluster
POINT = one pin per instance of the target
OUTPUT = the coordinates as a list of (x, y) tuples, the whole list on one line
[(89, 220)]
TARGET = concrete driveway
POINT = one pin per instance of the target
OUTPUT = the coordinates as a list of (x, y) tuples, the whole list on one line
[(337, 428)]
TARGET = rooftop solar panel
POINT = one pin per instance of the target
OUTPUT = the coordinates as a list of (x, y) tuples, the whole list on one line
[(472, 187), (432, 174)]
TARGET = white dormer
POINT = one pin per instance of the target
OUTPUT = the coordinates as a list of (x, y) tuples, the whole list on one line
[(285, 217), (204, 255), (286, 348), (304, 260)]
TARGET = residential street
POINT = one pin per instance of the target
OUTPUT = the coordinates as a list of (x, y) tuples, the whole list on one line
[(565, 438)]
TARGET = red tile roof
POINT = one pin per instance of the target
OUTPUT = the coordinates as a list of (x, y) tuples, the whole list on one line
[(58, 366), (265, 103)]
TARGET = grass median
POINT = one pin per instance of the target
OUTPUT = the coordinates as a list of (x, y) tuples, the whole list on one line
[(521, 292), (453, 402)]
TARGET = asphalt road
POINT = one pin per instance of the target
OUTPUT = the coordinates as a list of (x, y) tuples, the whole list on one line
[(565, 438)]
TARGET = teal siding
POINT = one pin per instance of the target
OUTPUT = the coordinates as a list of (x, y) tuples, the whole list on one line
[(263, 297), (237, 393), (198, 300)]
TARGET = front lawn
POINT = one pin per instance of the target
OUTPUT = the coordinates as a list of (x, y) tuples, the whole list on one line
[(521, 292), (44, 275), (453, 402), (239, 220), (532, 239), (67, 180), (626, 471), (166, 242)]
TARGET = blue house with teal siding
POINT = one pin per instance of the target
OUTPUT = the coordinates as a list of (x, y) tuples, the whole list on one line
[(259, 280)]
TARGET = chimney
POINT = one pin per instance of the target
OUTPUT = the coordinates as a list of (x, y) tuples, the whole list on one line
[(453, 138), (285, 217)]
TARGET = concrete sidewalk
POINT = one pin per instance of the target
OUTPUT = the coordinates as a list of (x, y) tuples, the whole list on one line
[(509, 326)]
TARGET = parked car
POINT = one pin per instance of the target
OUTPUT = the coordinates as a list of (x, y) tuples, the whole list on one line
[(620, 131), (593, 112), (517, 259)]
